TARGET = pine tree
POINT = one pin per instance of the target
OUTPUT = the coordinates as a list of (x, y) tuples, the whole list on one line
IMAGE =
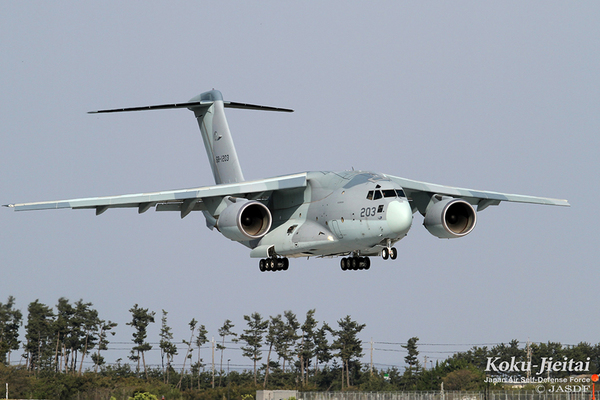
[(39, 335), (201, 339), (103, 329), (412, 362), (322, 347), (62, 331), (88, 329), (10, 321), (167, 348), (188, 353), (348, 344), (253, 336), (288, 338), (141, 318), (306, 348), (274, 334), (225, 331)]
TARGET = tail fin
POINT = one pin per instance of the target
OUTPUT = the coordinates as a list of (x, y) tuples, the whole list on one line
[(217, 137), (209, 109)]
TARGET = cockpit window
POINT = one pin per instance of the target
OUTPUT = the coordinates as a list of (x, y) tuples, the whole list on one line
[(379, 194)]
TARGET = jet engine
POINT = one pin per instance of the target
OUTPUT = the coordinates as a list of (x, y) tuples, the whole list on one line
[(244, 220), (450, 218)]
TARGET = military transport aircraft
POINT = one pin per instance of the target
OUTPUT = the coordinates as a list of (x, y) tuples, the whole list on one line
[(349, 214)]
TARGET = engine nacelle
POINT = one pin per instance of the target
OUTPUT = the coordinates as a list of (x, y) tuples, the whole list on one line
[(450, 218), (244, 220)]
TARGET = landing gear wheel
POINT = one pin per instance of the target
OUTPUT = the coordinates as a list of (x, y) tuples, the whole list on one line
[(393, 253), (362, 264), (354, 263), (286, 264), (344, 264), (367, 262), (262, 265), (385, 253)]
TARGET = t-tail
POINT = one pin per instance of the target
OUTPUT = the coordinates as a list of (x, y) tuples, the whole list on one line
[(209, 109)]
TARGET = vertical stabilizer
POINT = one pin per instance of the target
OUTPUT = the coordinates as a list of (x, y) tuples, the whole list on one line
[(209, 109), (217, 139)]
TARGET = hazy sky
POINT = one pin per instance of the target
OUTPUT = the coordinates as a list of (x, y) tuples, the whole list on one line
[(499, 96)]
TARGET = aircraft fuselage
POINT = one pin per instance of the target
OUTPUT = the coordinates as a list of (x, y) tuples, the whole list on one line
[(338, 213)]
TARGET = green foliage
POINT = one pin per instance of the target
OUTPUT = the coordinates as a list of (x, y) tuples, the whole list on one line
[(141, 318), (18, 379), (10, 321), (253, 337), (144, 396), (348, 346), (167, 347), (410, 377), (298, 356), (464, 379), (39, 347), (225, 331)]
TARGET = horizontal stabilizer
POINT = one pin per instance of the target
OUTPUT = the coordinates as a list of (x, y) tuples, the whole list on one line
[(156, 107), (231, 104), (190, 105)]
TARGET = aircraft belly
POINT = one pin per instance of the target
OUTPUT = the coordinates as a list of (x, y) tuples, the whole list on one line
[(363, 232), (295, 239)]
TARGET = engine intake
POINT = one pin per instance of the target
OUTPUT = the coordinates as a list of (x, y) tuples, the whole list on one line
[(450, 218), (244, 220)]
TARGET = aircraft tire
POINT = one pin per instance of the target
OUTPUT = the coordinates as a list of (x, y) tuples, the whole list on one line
[(354, 263), (286, 264), (385, 253), (393, 253), (344, 263), (262, 265), (367, 262)]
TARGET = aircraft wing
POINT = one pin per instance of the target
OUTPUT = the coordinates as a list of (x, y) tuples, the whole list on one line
[(184, 200), (420, 193)]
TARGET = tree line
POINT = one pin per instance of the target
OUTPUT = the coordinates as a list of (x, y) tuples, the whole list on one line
[(61, 340), (287, 352)]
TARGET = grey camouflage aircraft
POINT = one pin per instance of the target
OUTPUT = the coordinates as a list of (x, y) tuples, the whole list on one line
[(349, 214)]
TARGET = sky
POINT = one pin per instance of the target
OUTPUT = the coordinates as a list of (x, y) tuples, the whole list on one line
[(500, 96)]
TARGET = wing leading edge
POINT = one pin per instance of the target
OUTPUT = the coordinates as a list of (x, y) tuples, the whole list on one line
[(421, 192), (184, 200)]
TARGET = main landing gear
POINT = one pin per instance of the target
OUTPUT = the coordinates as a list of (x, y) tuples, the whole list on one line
[(274, 264), (355, 263)]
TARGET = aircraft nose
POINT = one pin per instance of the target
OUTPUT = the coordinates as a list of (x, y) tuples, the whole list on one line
[(399, 216)]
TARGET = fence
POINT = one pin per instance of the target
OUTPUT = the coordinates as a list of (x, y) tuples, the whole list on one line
[(449, 395)]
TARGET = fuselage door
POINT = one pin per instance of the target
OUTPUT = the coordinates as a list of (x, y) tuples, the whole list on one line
[(335, 228)]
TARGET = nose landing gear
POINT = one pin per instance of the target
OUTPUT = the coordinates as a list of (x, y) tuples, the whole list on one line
[(273, 264), (389, 252)]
